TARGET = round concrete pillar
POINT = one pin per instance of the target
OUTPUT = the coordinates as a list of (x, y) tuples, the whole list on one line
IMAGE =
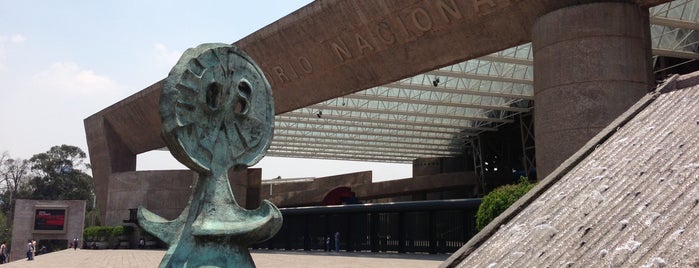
[(591, 63)]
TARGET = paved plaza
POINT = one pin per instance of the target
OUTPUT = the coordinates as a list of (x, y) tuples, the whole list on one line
[(263, 259)]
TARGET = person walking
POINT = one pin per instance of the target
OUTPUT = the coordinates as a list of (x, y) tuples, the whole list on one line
[(30, 250), (75, 243), (3, 252)]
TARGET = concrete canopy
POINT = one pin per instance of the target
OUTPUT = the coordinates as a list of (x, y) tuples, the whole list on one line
[(391, 49), (483, 93)]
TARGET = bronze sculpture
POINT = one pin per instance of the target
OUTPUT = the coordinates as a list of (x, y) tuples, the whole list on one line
[(218, 113)]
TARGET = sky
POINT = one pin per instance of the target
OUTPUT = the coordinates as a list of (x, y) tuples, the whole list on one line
[(62, 61)]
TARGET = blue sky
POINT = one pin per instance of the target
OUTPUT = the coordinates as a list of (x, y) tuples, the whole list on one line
[(62, 61)]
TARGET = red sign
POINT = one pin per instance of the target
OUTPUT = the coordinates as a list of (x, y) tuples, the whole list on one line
[(49, 219)]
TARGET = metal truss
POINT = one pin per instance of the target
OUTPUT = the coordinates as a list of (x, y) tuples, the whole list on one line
[(477, 154), (674, 27), (441, 113), (526, 130)]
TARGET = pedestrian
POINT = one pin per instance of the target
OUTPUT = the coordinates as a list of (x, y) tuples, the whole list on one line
[(30, 250), (141, 243), (327, 243), (3, 252), (75, 243), (337, 241)]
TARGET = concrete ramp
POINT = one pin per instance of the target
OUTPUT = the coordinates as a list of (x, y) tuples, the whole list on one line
[(628, 198)]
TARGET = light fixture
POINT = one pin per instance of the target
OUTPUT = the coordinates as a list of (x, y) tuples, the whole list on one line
[(435, 82), (319, 114)]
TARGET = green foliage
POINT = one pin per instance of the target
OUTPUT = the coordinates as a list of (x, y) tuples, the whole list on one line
[(106, 233), (59, 159), (90, 233), (498, 200), (117, 231), (122, 230), (60, 176), (5, 229), (14, 175), (98, 233)]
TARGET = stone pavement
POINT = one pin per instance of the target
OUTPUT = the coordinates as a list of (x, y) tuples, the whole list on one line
[(263, 259)]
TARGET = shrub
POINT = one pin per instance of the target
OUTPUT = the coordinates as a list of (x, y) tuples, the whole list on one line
[(104, 233), (498, 200), (90, 233), (117, 231), (122, 230), (97, 233)]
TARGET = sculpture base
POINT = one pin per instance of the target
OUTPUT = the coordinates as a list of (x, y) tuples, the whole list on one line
[(208, 254), (212, 231)]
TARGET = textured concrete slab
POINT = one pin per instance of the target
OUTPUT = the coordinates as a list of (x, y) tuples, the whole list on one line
[(627, 199), (263, 259)]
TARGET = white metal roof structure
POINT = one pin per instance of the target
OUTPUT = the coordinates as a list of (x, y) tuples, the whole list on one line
[(435, 114)]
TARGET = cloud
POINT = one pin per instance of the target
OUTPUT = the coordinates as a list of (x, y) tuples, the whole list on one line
[(13, 39), (48, 107), (17, 39), (69, 78), (165, 55)]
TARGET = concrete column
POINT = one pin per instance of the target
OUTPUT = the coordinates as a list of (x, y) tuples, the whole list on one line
[(591, 63)]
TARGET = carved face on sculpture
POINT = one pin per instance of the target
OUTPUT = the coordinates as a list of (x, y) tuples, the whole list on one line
[(217, 109)]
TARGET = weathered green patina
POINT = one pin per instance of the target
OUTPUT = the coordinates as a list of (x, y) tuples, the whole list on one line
[(218, 113)]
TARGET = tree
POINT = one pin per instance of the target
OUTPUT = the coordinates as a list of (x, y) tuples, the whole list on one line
[(5, 228), (14, 176), (60, 175)]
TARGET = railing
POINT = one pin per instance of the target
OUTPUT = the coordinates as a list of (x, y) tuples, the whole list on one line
[(441, 226)]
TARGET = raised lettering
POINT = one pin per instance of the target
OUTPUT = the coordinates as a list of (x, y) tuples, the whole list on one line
[(342, 52), (408, 33), (362, 43), (305, 65), (280, 74), (478, 3), (421, 19), (383, 31), (452, 9), (293, 72)]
